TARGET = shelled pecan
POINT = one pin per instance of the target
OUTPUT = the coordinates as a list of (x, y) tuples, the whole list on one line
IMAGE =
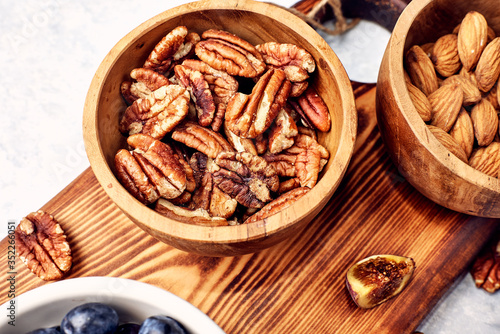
[(486, 268), (246, 177), (248, 116), (229, 53), (296, 62), (145, 82), (201, 139), (278, 204), (42, 246), (174, 47), (151, 170), (304, 160), (222, 85), (195, 83), (158, 113)]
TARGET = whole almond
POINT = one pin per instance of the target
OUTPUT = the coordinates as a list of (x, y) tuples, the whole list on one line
[(445, 55), (420, 101), (472, 38), (487, 159), (463, 132), (446, 103), (491, 33), (449, 142), (488, 66), (421, 70), (485, 121), (492, 96), (469, 75), (472, 94)]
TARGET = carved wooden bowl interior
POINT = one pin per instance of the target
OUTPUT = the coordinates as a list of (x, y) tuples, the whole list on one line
[(420, 158), (257, 22)]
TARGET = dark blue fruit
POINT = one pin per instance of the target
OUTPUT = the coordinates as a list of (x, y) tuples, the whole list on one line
[(90, 318), (52, 330), (160, 324), (128, 329)]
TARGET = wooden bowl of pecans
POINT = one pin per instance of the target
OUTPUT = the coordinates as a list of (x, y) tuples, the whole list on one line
[(437, 102), (220, 127)]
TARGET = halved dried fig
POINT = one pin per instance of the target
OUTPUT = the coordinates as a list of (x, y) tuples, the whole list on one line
[(377, 278)]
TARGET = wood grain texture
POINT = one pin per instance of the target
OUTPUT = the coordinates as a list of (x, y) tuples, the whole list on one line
[(298, 285)]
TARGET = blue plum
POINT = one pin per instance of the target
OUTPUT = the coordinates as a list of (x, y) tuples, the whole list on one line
[(160, 324), (90, 318)]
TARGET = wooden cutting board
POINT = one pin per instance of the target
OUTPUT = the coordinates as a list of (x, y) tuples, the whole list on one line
[(297, 286)]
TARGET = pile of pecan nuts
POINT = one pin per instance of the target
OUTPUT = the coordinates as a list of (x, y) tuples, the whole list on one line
[(453, 83), (220, 131)]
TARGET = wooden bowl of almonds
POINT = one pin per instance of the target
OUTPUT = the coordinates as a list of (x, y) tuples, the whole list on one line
[(220, 127), (437, 102)]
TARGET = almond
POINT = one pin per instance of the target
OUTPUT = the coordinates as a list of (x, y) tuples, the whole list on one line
[(446, 103), (421, 70), (445, 55), (472, 94), (463, 132), (472, 38), (420, 101), (491, 33), (492, 96), (488, 66), (487, 159), (449, 142), (485, 121), (469, 75)]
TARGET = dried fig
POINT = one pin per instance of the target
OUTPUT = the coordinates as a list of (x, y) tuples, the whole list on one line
[(377, 278)]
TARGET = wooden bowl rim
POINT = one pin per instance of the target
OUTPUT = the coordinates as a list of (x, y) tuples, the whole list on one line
[(220, 234), (409, 112)]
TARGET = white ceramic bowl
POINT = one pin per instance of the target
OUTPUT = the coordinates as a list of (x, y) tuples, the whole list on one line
[(134, 301)]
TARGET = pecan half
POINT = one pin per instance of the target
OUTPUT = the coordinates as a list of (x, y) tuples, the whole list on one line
[(161, 165), (486, 268), (240, 144), (202, 139), (172, 48), (304, 160), (211, 198), (145, 82), (222, 85), (230, 53), (42, 246), (200, 164), (248, 116), (198, 216), (278, 204), (288, 185), (158, 113), (313, 110), (183, 159), (195, 83), (130, 174), (283, 132), (295, 61), (246, 177)]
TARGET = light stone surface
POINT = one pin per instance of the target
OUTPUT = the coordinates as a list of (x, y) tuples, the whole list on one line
[(50, 50)]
